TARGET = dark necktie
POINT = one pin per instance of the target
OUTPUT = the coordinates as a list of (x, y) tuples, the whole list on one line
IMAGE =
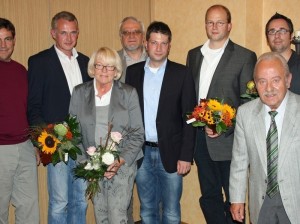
[(272, 156)]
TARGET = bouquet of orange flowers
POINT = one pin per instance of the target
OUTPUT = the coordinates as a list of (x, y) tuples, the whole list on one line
[(213, 113), (57, 141)]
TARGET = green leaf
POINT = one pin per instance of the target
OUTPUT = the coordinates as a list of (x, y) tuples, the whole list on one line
[(55, 158)]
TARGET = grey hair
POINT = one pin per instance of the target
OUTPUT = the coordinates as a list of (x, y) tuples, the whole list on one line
[(135, 20), (273, 56)]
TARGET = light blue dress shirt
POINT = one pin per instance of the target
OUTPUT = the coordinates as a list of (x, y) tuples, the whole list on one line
[(152, 86)]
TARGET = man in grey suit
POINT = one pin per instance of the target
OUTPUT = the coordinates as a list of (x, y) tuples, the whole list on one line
[(274, 179), (131, 33), (220, 69)]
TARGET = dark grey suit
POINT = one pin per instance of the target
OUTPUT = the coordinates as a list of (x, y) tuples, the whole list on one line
[(213, 156)]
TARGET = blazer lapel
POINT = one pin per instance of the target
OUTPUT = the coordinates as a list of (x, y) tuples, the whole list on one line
[(259, 130), (221, 65), (116, 101), (289, 127), (197, 68)]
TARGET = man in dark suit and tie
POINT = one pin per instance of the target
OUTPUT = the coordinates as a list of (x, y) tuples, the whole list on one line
[(221, 69), (166, 93), (266, 149), (279, 33), (52, 74)]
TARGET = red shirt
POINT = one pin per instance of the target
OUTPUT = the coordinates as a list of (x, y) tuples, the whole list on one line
[(13, 103)]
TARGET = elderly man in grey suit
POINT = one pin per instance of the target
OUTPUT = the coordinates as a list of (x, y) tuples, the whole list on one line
[(267, 140), (132, 33), (220, 69)]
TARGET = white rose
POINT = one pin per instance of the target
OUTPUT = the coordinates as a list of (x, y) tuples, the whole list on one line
[(116, 137), (88, 166), (96, 166), (91, 150), (108, 158)]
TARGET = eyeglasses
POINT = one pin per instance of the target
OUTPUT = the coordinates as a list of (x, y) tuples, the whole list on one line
[(107, 67), (281, 31), (129, 33), (218, 23)]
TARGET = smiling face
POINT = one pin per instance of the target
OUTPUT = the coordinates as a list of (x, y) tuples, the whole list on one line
[(104, 73), (271, 81), (7, 44), (279, 42), (65, 35)]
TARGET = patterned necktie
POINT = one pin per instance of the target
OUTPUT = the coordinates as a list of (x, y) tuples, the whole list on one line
[(272, 155)]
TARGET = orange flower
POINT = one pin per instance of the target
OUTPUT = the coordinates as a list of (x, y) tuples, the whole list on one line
[(69, 135)]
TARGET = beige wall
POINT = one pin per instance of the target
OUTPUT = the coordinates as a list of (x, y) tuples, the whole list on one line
[(99, 21)]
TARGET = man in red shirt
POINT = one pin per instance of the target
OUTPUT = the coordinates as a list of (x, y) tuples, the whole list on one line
[(18, 170)]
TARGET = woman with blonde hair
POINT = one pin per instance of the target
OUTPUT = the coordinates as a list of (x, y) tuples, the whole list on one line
[(99, 102)]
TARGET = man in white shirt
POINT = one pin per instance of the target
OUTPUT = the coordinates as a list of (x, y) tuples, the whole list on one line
[(266, 154), (220, 69), (52, 75)]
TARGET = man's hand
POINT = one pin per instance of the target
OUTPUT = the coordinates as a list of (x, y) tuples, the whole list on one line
[(210, 132), (183, 167), (237, 210)]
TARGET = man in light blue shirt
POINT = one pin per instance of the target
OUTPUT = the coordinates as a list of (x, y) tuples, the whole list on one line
[(166, 93)]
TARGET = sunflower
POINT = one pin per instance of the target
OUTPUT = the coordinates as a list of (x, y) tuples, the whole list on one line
[(228, 109), (48, 142), (214, 105), (209, 118)]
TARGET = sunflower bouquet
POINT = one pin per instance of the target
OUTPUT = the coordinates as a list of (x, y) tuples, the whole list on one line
[(57, 142), (213, 113), (100, 158), (251, 91)]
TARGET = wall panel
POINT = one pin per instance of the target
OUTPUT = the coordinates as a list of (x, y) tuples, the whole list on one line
[(99, 23)]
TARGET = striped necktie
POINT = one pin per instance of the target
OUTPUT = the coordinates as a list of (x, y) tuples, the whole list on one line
[(272, 156)]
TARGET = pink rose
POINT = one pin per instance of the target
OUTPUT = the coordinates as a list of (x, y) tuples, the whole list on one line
[(91, 150), (116, 137)]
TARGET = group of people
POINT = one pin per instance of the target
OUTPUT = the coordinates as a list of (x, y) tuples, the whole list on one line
[(139, 88)]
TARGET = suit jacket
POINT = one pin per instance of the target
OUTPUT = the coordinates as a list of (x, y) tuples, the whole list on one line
[(294, 66), (124, 115), (250, 149), (229, 81), (49, 94), (177, 97)]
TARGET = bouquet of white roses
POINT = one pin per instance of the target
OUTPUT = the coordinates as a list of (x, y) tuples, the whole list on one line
[(101, 157)]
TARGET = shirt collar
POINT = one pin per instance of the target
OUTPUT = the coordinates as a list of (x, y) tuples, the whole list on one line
[(63, 55), (162, 66)]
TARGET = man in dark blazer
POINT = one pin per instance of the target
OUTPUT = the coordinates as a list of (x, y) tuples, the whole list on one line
[(52, 74), (166, 93), (279, 32), (220, 69)]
